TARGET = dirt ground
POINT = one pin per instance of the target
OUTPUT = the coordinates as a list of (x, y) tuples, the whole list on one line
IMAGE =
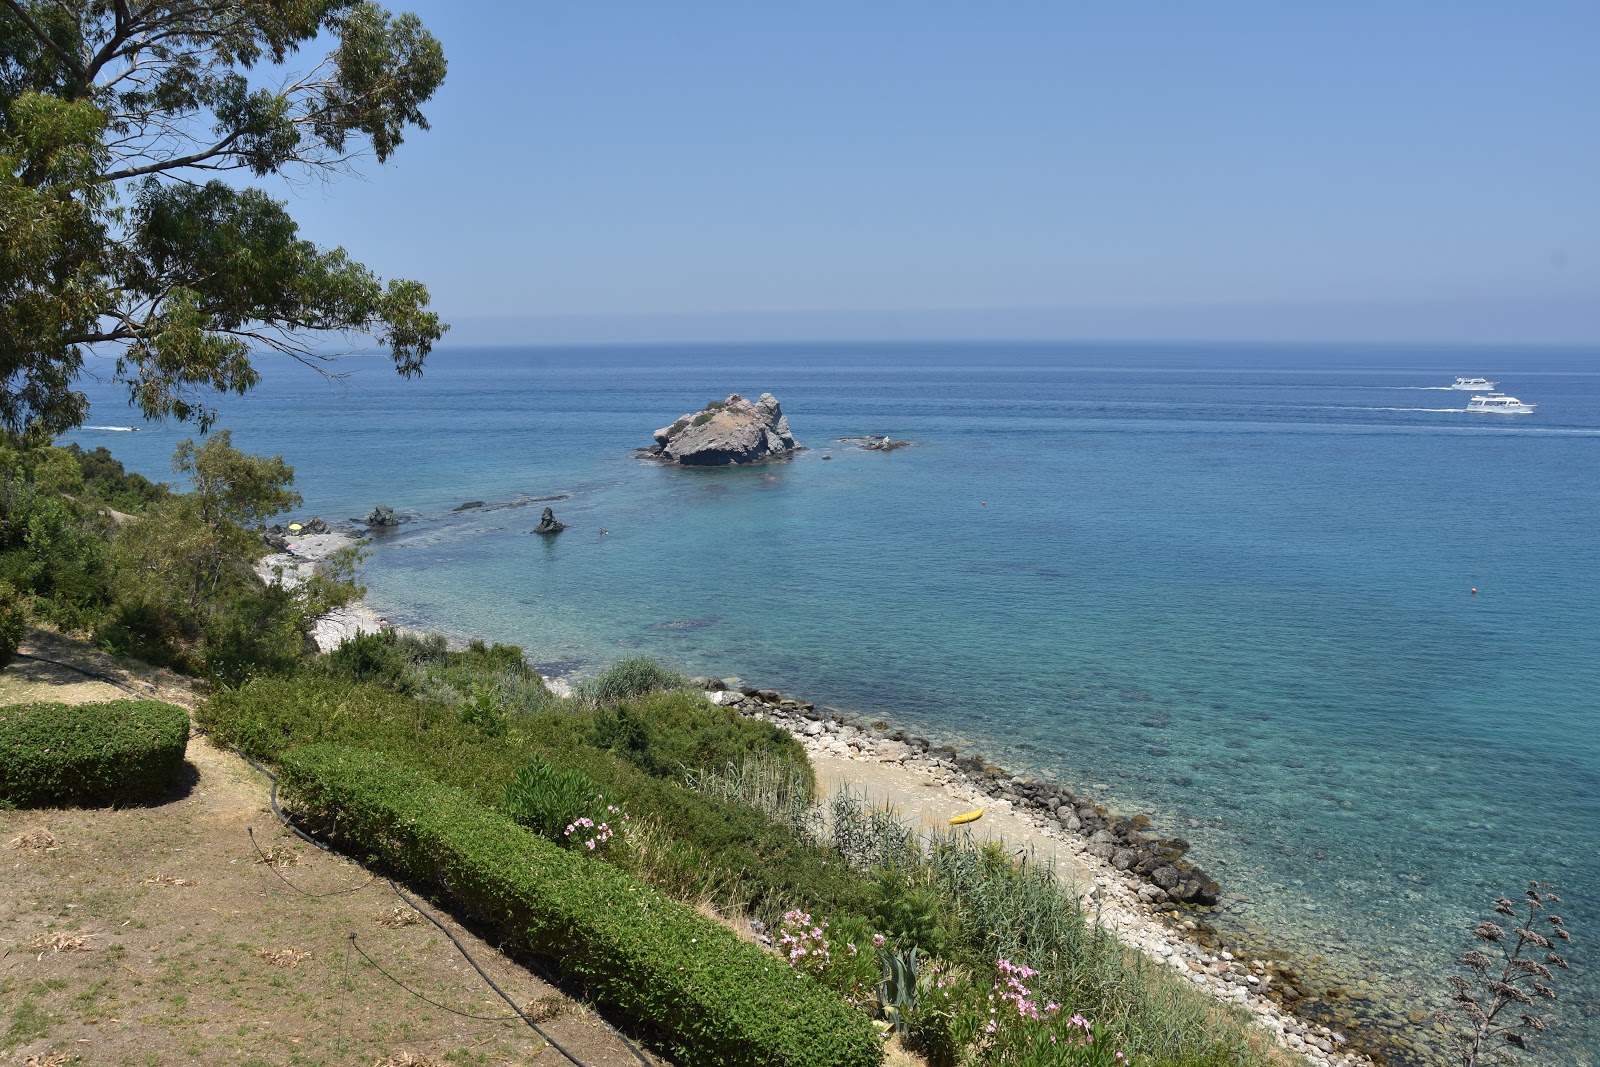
[(157, 936)]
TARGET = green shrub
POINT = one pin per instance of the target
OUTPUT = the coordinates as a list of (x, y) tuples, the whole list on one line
[(375, 658), (675, 732), (90, 754), (910, 915), (12, 624), (107, 481), (546, 798), (702, 418), (712, 998), (628, 679)]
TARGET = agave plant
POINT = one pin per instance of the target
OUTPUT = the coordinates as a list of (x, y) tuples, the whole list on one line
[(897, 990)]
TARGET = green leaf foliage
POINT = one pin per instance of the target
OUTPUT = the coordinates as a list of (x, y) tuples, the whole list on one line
[(546, 798), (114, 119), (668, 733), (12, 624), (629, 678), (712, 998), (90, 754)]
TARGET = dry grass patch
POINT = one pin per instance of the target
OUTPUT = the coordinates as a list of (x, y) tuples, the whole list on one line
[(48, 1059), (397, 916), (166, 880), (550, 1006), (38, 840), (48, 944), (408, 1059), (278, 856), (284, 957)]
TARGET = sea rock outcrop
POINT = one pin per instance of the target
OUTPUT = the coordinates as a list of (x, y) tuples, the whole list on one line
[(382, 515), (875, 443), (548, 526), (726, 432)]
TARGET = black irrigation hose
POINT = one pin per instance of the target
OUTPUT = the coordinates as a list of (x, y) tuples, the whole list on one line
[(96, 675), (442, 1007), (492, 985), (264, 858)]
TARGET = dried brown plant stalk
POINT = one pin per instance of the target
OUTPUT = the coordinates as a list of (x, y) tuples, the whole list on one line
[(1499, 992)]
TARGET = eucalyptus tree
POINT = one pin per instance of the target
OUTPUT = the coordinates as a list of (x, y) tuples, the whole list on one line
[(119, 120)]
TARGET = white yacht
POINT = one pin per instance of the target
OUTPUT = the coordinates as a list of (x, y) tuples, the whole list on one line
[(1477, 385), (1499, 402)]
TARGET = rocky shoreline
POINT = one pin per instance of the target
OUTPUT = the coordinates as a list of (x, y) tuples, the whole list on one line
[(1139, 884)]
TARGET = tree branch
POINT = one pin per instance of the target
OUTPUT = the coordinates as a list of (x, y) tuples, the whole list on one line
[(43, 38), (172, 164)]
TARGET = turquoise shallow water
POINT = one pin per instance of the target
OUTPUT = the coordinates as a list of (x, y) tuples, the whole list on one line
[(1225, 586)]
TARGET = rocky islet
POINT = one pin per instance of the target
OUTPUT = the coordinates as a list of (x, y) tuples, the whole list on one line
[(726, 433)]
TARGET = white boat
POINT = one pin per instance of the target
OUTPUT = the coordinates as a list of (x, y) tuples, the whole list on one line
[(1477, 385), (1501, 404)]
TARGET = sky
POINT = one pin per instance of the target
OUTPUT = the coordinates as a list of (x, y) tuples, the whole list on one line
[(1426, 171)]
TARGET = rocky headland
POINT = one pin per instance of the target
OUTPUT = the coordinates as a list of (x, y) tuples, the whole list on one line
[(726, 432)]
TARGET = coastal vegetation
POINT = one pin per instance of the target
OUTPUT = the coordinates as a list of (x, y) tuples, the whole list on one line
[(1506, 981), (165, 576), (719, 812)]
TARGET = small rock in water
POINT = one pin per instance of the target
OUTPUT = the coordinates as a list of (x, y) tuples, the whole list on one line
[(548, 526)]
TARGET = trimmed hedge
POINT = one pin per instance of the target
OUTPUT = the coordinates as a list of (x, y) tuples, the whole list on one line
[(90, 754), (713, 998)]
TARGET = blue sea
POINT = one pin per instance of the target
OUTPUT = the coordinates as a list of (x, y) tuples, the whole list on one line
[(1226, 586)]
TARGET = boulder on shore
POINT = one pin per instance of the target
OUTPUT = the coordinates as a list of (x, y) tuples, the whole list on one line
[(726, 432), (548, 526)]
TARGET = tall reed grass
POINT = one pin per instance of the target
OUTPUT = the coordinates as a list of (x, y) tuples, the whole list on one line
[(1016, 908)]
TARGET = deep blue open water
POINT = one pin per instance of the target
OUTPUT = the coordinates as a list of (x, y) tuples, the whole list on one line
[(1226, 586)]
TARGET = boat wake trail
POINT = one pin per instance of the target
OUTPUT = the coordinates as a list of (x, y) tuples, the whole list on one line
[(115, 429), (1341, 407)]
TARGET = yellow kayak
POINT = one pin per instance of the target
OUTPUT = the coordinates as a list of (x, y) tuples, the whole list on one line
[(971, 816)]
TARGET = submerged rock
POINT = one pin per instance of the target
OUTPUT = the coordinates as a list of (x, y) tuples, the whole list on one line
[(548, 525), (875, 443), (726, 432)]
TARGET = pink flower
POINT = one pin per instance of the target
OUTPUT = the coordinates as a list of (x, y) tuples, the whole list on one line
[(878, 940)]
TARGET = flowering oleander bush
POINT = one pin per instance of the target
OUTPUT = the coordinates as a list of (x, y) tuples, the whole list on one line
[(594, 836), (11, 623), (1023, 1032), (947, 1019), (804, 943)]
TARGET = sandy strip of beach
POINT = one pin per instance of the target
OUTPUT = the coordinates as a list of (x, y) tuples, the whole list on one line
[(293, 568)]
